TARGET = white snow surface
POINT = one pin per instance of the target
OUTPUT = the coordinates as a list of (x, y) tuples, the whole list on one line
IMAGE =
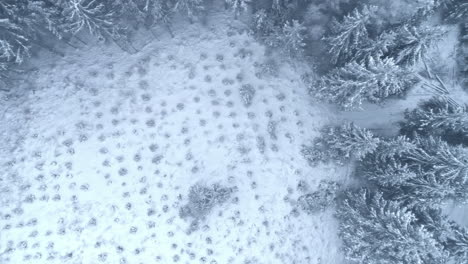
[(101, 137)]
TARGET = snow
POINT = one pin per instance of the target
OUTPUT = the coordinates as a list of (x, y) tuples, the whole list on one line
[(101, 148)]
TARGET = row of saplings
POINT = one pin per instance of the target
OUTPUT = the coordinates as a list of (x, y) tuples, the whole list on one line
[(397, 217)]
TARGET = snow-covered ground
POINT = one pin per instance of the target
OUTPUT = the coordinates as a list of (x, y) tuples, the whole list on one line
[(101, 148)]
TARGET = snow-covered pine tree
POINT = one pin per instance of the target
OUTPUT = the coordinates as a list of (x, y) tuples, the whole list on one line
[(440, 117), (291, 38), (375, 49), (263, 24), (14, 40), (341, 144), (457, 243), (386, 166), (349, 35), (448, 163), (97, 17), (456, 10), (146, 12), (424, 171), (38, 15), (190, 8), (238, 6), (378, 231), (355, 83), (385, 173), (413, 43), (453, 237), (427, 189)]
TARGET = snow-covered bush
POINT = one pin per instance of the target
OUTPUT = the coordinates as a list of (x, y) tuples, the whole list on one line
[(341, 144), (268, 68), (319, 200), (202, 199), (247, 92)]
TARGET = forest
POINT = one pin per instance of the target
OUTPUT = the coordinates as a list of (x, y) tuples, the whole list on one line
[(281, 116)]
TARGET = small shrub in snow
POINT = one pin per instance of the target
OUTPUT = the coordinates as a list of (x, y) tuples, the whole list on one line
[(321, 199), (261, 144), (268, 68), (202, 199), (272, 129), (247, 92)]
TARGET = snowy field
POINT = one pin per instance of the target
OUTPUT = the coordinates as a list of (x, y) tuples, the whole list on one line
[(101, 153)]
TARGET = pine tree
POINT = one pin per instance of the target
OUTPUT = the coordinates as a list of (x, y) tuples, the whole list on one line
[(386, 166), (428, 189), (375, 49), (349, 35), (354, 83), (385, 173), (291, 38), (456, 10), (438, 117), (263, 24), (375, 230), (14, 40), (188, 7), (38, 15), (147, 12), (238, 6), (97, 17), (341, 143), (426, 171), (414, 43), (449, 163), (457, 243), (449, 234)]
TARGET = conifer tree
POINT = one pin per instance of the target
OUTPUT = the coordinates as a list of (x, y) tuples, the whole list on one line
[(263, 24), (449, 163), (413, 43), (14, 39), (349, 35), (375, 49), (386, 166), (188, 7), (291, 38), (456, 10), (453, 237), (340, 144), (97, 17), (424, 172), (355, 83), (147, 12), (238, 6), (438, 117), (457, 243), (375, 230)]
